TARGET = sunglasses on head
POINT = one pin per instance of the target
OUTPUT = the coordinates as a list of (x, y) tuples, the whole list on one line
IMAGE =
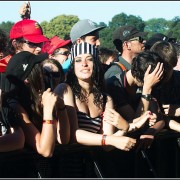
[(33, 45), (66, 53), (140, 39)]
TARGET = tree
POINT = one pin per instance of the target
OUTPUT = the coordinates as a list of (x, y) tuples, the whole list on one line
[(174, 27), (156, 25), (59, 25), (118, 21), (6, 26)]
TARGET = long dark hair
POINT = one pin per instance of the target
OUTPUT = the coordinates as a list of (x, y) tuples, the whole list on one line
[(97, 81)]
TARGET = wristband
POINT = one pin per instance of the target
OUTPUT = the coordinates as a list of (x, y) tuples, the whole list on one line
[(103, 141), (148, 97), (48, 122)]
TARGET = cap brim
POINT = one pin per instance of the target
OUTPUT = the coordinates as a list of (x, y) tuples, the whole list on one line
[(36, 38), (95, 29), (64, 43), (140, 34)]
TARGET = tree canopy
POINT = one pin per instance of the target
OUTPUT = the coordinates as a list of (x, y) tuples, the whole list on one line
[(62, 24)]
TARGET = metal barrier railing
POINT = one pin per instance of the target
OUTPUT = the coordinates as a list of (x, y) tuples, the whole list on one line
[(28, 164)]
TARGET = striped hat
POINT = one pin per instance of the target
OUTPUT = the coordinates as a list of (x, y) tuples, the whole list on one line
[(83, 48)]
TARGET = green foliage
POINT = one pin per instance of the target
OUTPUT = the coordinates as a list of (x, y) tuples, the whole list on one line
[(174, 27), (59, 25), (156, 25), (6, 26), (117, 21)]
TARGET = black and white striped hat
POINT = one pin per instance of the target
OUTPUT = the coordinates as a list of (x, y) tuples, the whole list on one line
[(83, 48)]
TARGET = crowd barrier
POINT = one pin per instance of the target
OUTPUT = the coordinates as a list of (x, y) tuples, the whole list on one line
[(162, 160)]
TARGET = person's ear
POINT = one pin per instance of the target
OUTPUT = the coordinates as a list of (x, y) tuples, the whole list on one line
[(78, 41), (128, 45), (14, 43)]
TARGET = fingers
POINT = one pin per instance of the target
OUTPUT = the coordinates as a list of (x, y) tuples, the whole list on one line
[(148, 70)]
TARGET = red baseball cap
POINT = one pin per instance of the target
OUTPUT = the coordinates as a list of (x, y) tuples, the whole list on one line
[(28, 29), (54, 43)]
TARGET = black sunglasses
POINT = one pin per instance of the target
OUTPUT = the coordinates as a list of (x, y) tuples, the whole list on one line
[(140, 39), (66, 53), (33, 45)]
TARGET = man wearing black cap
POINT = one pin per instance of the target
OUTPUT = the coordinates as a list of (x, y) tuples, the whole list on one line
[(129, 42)]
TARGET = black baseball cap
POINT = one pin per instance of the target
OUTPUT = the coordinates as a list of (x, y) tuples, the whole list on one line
[(124, 33), (21, 64)]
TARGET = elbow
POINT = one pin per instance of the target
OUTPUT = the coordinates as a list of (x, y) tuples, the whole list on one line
[(63, 141), (47, 154)]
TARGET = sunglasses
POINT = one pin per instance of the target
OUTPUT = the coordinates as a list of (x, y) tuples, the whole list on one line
[(140, 39), (66, 53), (33, 45)]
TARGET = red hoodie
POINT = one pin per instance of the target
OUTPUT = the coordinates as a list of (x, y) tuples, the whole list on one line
[(3, 63)]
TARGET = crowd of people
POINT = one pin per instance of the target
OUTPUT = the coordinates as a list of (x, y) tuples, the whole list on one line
[(76, 91)]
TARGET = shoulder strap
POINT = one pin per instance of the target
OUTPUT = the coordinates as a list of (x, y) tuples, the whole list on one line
[(121, 66)]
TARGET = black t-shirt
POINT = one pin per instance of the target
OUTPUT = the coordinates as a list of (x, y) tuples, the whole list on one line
[(169, 93)]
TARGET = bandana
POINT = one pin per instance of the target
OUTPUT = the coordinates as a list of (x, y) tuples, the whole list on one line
[(83, 48)]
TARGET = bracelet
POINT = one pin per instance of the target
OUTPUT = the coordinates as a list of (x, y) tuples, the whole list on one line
[(61, 109), (48, 122), (103, 141)]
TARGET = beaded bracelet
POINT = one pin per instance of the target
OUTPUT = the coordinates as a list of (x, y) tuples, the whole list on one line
[(48, 122), (103, 141)]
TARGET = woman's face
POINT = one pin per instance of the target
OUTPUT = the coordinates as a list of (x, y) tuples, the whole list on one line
[(83, 66)]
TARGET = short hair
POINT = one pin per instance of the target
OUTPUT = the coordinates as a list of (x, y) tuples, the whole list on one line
[(141, 62), (105, 53), (166, 51)]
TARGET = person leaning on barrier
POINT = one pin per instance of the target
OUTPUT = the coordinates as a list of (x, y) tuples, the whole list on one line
[(90, 108), (168, 94), (147, 71), (39, 110)]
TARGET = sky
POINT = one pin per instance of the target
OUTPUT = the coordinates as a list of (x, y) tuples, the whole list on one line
[(97, 11)]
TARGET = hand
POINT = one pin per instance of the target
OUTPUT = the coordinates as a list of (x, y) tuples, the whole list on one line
[(144, 118), (152, 119), (123, 143), (151, 79), (49, 99), (145, 142), (114, 118), (25, 10)]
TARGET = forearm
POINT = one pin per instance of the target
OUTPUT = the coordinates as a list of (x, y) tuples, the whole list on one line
[(174, 125), (48, 134)]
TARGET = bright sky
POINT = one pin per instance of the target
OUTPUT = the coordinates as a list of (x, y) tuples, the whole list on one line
[(97, 11)]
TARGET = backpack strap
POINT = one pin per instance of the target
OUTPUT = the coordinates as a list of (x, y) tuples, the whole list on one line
[(121, 66)]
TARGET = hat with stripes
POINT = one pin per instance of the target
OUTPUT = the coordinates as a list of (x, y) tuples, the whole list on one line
[(83, 48)]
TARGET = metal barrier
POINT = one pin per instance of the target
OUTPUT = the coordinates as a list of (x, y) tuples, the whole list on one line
[(162, 160)]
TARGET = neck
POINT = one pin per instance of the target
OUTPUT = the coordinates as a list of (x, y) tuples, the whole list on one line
[(128, 56), (86, 86)]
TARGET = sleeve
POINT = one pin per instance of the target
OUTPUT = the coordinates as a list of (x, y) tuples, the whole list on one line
[(113, 70)]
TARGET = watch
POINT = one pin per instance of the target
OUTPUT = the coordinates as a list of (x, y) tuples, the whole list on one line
[(148, 97)]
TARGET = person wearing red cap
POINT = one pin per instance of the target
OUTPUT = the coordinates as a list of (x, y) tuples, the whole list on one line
[(27, 35), (57, 49)]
